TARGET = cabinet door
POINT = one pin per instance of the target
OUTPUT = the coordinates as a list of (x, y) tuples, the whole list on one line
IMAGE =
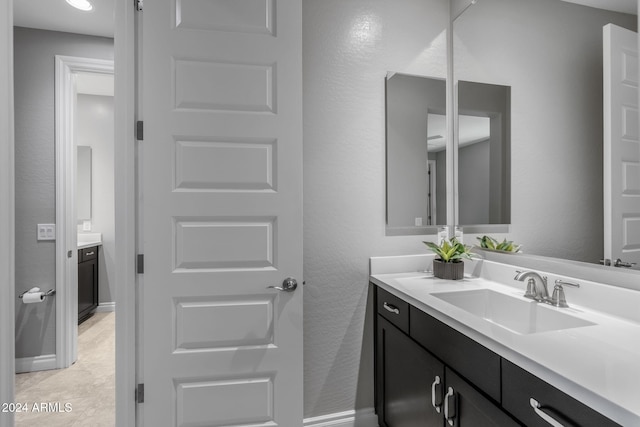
[(405, 379), (87, 288), (466, 407)]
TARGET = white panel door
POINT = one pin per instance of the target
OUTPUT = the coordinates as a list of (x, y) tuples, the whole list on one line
[(621, 168), (221, 212)]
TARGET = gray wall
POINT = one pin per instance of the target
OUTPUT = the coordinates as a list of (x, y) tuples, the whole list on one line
[(348, 47), (474, 183), (95, 129), (550, 53), (34, 55)]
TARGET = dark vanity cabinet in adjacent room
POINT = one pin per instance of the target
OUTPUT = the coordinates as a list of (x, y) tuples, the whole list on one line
[(428, 374), (87, 282)]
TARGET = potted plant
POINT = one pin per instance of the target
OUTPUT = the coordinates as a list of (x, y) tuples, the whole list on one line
[(448, 264), (488, 242)]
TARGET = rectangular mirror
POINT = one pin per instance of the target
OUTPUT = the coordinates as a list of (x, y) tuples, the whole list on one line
[(83, 183), (415, 154), (416, 150)]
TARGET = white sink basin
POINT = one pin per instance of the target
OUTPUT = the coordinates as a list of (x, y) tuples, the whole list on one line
[(517, 315)]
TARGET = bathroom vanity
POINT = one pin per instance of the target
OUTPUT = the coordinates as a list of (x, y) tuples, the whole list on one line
[(475, 352), (87, 282), (88, 249)]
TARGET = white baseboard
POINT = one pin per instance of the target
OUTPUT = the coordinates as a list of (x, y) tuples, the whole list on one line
[(37, 363), (360, 418), (105, 307)]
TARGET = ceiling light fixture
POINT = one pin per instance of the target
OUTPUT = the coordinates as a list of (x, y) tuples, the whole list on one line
[(83, 5)]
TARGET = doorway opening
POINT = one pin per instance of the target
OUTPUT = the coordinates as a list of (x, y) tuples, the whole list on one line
[(84, 248)]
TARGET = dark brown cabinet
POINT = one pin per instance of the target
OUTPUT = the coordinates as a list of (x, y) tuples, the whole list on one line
[(520, 387), (405, 375), (468, 407), (87, 282), (428, 374)]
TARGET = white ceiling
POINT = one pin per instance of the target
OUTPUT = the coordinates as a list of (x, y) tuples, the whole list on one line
[(57, 15), (471, 129), (624, 6)]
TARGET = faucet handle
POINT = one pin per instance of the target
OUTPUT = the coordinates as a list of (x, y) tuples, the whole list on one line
[(558, 298), (531, 288)]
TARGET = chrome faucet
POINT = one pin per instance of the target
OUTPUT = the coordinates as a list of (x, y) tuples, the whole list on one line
[(537, 292)]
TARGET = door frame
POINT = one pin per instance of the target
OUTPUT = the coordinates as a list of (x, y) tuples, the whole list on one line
[(66, 218), (126, 199), (125, 206), (431, 185), (7, 212)]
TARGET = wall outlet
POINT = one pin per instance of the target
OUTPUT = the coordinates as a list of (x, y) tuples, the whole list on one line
[(86, 225), (46, 232), (419, 222)]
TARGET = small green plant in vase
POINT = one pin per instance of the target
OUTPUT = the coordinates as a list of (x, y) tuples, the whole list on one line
[(449, 255), (488, 242)]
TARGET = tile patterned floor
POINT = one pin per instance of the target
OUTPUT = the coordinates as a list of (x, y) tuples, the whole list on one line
[(88, 385)]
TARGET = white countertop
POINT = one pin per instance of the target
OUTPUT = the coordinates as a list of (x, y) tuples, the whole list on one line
[(598, 365), (89, 244), (87, 240)]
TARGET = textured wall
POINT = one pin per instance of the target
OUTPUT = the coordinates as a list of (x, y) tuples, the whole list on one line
[(348, 47), (34, 54), (94, 127), (550, 53)]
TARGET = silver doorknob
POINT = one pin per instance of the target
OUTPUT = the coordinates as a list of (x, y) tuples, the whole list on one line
[(288, 285), (620, 263)]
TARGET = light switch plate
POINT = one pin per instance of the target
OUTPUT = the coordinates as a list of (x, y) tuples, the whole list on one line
[(418, 222), (86, 225), (46, 232)]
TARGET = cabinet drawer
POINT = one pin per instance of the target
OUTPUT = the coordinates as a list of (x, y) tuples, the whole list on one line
[(393, 309), (476, 363), (87, 254), (519, 387)]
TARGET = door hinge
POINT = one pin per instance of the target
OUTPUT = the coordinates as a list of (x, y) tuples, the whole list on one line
[(140, 264), (139, 393), (138, 4), (139, 130)]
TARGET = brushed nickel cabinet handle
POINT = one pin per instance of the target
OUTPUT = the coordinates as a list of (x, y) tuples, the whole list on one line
[(548, 418), (450, 409), (434, 394), (391, 308)]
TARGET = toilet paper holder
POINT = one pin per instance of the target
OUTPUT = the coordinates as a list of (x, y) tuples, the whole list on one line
[(49, 293)]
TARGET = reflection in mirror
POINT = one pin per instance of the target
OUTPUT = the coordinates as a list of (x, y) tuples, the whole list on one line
[(550, 53), (415, 154), (484, 176), (437, 167), (83, 183)]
